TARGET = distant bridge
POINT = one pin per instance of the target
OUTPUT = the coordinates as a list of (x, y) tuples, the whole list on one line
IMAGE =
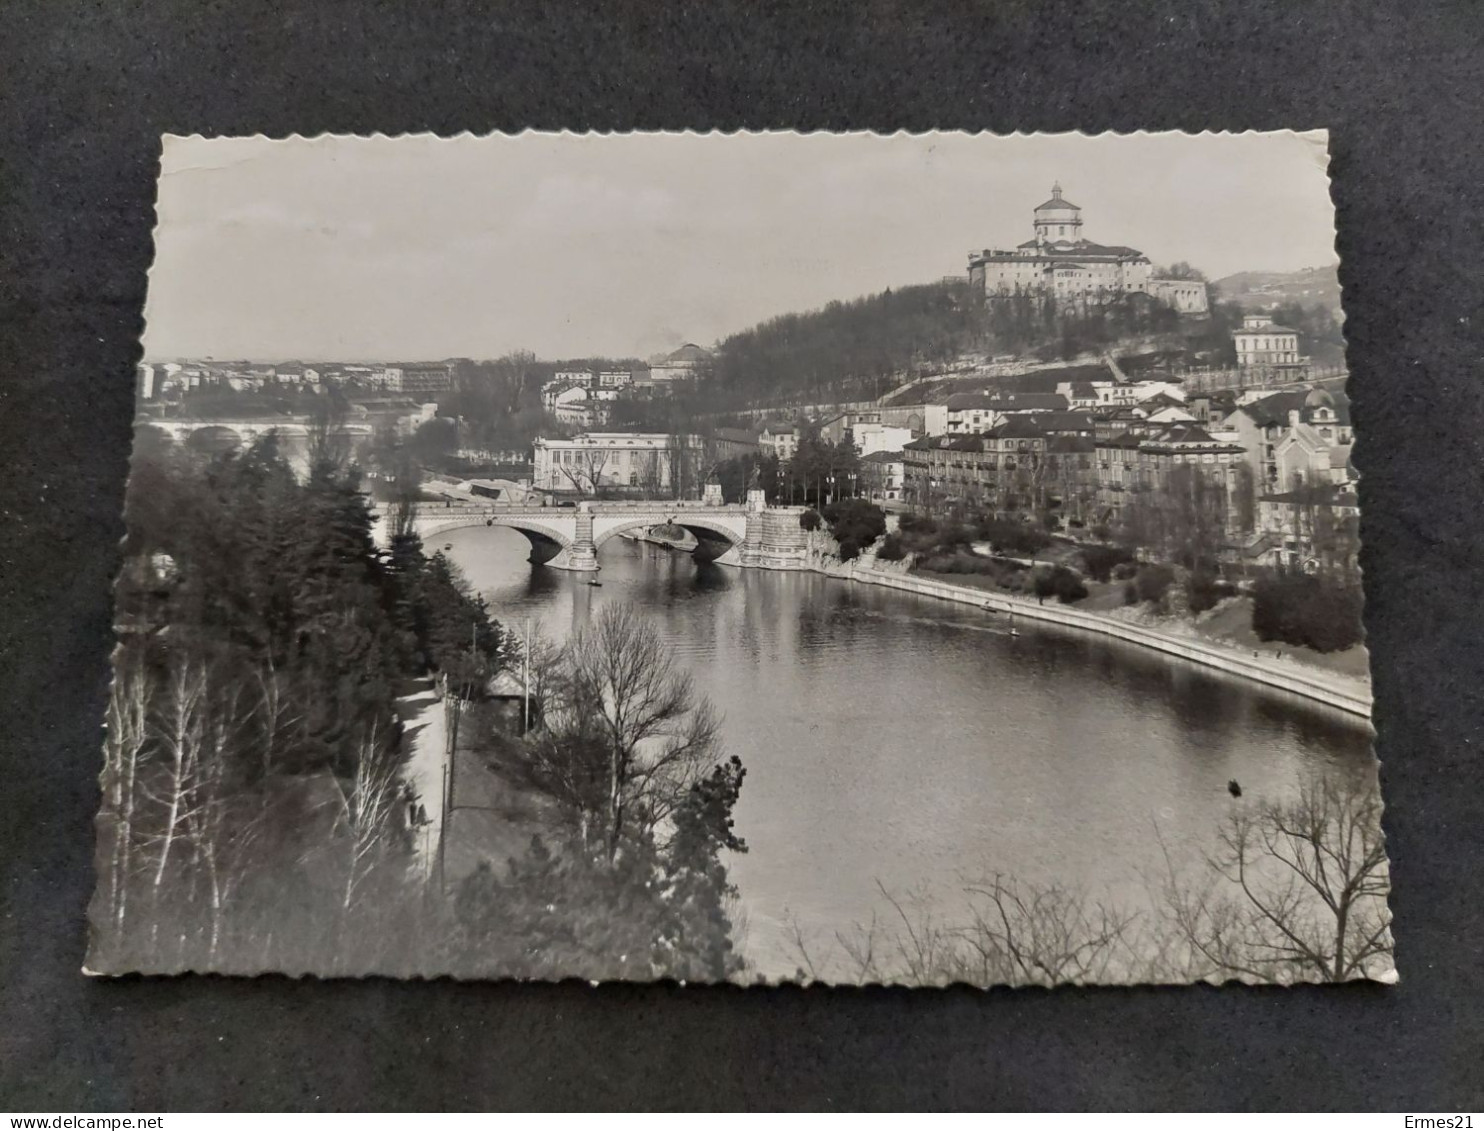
[(750, 535), (228, 433)]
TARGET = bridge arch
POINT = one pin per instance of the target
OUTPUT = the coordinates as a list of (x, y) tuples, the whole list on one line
[(547, 539), (730, 532), (214, 439)]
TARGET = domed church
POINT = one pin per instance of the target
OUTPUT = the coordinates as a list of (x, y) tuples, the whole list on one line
[(1059, 262)]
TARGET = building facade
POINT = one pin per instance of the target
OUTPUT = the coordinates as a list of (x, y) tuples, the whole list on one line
[(1261, 424), (1261, 342), (632, 462), (1130, 465), (1059, 262), (779, 440), (881, 476), (1003, 469)]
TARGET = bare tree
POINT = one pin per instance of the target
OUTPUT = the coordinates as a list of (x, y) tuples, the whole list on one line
[(1244, 500), (220, 832), (327, 436), (369, 801), (1013, 934), (126, 737), (626, 735), (406, 482), (273, 709), (585, 472), (1042, 936), (651, 474), (1299, 892), (183, 723)]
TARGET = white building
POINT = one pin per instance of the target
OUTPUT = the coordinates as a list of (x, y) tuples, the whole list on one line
[(920, 419), (554, 396), (1058, 262), (1262, 342), (668, 373), (875, 437), (779, 440), (639, 461)]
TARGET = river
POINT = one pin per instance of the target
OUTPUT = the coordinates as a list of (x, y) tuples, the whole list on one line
[(898, 740)]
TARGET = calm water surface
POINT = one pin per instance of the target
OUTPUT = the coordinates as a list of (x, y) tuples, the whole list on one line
[(896, 739)]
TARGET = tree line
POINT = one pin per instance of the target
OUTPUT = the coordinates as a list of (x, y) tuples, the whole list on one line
[(253, 753), (257, 813)]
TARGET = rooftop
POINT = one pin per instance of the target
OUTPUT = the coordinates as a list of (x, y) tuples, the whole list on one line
[(1057, 203), (1267, 328)]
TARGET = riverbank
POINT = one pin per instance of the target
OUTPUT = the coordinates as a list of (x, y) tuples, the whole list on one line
[(1334, 689)]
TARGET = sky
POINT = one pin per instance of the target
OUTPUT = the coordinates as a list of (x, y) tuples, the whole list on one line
[(628, 245)]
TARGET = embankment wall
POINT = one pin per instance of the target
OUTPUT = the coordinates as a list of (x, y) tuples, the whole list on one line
[(1350, 695)]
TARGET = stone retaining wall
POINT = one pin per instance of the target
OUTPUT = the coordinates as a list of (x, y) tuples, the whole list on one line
[(1335, 690)]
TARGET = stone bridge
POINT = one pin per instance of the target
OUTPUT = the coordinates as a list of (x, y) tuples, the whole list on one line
[(568, 537), (244, 432)]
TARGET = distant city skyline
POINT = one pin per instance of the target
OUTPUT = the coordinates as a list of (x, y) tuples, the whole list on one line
[(631, 245)]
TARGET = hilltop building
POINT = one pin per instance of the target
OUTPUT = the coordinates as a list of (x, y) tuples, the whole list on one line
[(1059, 262), (1261, 342), (677, 366)]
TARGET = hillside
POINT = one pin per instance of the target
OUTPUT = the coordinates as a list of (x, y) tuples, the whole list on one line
[(1263, 290), (859, 350), (846, 351)]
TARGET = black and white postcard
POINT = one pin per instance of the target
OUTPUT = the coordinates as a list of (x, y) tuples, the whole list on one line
[(854, 558)]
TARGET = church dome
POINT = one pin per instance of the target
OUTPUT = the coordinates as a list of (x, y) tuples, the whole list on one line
[(1319, 398), (1057, 203)]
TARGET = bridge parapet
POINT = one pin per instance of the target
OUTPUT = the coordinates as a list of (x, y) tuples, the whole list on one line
[(568, 537)]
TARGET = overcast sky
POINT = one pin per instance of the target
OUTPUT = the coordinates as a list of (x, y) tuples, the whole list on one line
[(626, 245)]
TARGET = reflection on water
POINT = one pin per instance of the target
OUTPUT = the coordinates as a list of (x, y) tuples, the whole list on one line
[(893, 738)]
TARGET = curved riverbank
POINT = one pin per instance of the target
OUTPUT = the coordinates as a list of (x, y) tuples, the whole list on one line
[(1344, 693)]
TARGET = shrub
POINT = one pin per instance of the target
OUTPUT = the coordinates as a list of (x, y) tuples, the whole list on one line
[(954, 535), (1130, 594), (1101, 561), (1125, 571), (891, 549), (1311, 612), (855, 523), (917, 524), (810, 520), (1153, 582), (1203, 591), (1010, 536), (1058, 582), (961, 562)]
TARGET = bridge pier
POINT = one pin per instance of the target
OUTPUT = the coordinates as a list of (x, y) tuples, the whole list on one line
[(582, 555)]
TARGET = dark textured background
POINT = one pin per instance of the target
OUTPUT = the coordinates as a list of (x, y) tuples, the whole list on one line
[(87, 89)]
